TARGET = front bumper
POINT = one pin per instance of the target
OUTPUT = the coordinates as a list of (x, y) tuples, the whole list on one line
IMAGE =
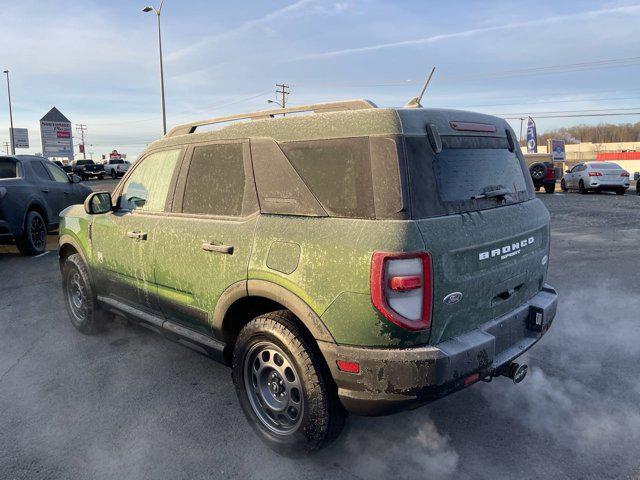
[(396, 379)]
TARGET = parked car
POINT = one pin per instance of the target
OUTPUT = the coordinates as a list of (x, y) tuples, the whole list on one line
[(337, 262), (116, 167), (68, 169), (636, 177), (86, 169), (542, 171), (33, 192), (596, 176)]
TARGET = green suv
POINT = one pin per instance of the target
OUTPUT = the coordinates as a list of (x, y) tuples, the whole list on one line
[(339, 257)]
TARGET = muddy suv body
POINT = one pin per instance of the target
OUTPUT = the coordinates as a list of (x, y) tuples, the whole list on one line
[(359, 259)]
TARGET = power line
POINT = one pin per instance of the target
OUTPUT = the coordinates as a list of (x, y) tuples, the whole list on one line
[(567, 111), (578, 115)]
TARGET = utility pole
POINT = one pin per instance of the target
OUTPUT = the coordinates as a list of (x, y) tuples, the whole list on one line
[(6, 146), (13, 143), (284, 92), (81, 128)]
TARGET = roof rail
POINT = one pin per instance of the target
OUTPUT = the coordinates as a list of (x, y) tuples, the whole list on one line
[(264, 114)]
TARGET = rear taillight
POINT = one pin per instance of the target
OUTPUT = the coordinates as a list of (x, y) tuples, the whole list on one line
[(551, 173), (595, 174), (401, 288), (625, 174)]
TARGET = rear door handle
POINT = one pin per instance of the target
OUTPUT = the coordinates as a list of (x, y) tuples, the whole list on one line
[(45, 190), (66, 193), (212, 247), (137, 235)]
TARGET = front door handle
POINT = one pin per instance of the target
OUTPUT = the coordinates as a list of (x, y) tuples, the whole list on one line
[(45, 190), (66, 193), (212, 247), (137, 235)]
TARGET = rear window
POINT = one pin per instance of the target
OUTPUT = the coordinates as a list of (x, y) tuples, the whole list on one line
[(84, 162), (8, 169), (605, 166), (470, 173), (338, 173)]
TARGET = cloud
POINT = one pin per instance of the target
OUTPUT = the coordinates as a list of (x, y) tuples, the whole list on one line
[(629, 10)]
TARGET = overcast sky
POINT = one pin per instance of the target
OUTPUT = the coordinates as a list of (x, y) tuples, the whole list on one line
[(97, 60)]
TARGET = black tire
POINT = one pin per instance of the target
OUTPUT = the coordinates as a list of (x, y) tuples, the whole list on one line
[(621, 191), (563, 186), (34, 239), (100, 177), (550, 188), (581, 188), (292, 427), (538, 171), (114, 175), (79, 297)]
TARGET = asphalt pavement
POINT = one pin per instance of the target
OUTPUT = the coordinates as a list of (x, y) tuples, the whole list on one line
[(129, 404)]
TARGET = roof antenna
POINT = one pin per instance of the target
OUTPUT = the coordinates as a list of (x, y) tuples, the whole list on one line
[(415, 102)]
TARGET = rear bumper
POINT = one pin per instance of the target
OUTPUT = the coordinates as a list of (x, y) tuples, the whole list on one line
[(396, 379)]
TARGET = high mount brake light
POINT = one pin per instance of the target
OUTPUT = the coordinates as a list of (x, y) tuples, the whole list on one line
[(401, 288)]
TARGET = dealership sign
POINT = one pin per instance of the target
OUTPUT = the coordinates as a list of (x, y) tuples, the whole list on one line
[(55, 132), (19, 137)]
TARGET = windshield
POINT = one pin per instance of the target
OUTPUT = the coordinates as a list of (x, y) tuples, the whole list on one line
[(469, 174)]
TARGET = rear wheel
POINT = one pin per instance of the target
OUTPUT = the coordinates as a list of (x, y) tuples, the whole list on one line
[(621, 191), (100, 177), (581, 188), (114, 175), (79, 296), (550, 188), (283, 386), (34, 239)]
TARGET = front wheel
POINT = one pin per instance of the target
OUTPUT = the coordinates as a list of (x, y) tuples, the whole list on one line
[(79, 296), (563, 185), (284, 387)]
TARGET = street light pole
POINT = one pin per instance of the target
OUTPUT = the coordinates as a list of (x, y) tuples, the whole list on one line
[(164, 113), (13, 143)]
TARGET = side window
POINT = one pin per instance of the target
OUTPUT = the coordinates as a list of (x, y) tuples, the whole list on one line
[(57, 173), (147, 187), (39, 170), (215, 181), (338, 172)]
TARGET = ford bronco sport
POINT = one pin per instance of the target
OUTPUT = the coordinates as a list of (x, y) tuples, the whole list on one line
[(354, 259)]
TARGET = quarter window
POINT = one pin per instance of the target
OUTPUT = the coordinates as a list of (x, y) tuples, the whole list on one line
[(216, 180), (338, 172), (147, 187)]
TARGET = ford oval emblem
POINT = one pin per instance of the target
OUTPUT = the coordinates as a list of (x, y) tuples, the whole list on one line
[(452, 298)]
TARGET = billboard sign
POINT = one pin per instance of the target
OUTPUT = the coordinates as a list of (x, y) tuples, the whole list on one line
[(55, 132), (114, 155), (19, 136), (557, 150), (532, 137)]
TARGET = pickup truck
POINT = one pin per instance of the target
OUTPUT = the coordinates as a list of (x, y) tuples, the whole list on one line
[(86, 169), (116, 167)]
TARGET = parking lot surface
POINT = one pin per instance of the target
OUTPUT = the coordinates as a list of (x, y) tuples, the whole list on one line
[(130, 404)]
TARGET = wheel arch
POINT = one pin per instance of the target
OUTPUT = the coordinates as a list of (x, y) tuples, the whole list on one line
[(245, 300), (36, 206)]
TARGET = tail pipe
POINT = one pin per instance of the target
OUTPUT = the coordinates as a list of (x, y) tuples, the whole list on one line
[(514, 371)]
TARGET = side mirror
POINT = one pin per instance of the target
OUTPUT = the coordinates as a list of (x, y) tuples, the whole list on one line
[(567, 171), (97, 203), (75, 178)]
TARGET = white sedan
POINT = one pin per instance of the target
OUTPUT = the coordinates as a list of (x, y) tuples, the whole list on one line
[(596, 176)]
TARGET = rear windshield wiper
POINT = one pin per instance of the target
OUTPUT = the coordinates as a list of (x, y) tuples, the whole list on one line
[(492, 192)]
